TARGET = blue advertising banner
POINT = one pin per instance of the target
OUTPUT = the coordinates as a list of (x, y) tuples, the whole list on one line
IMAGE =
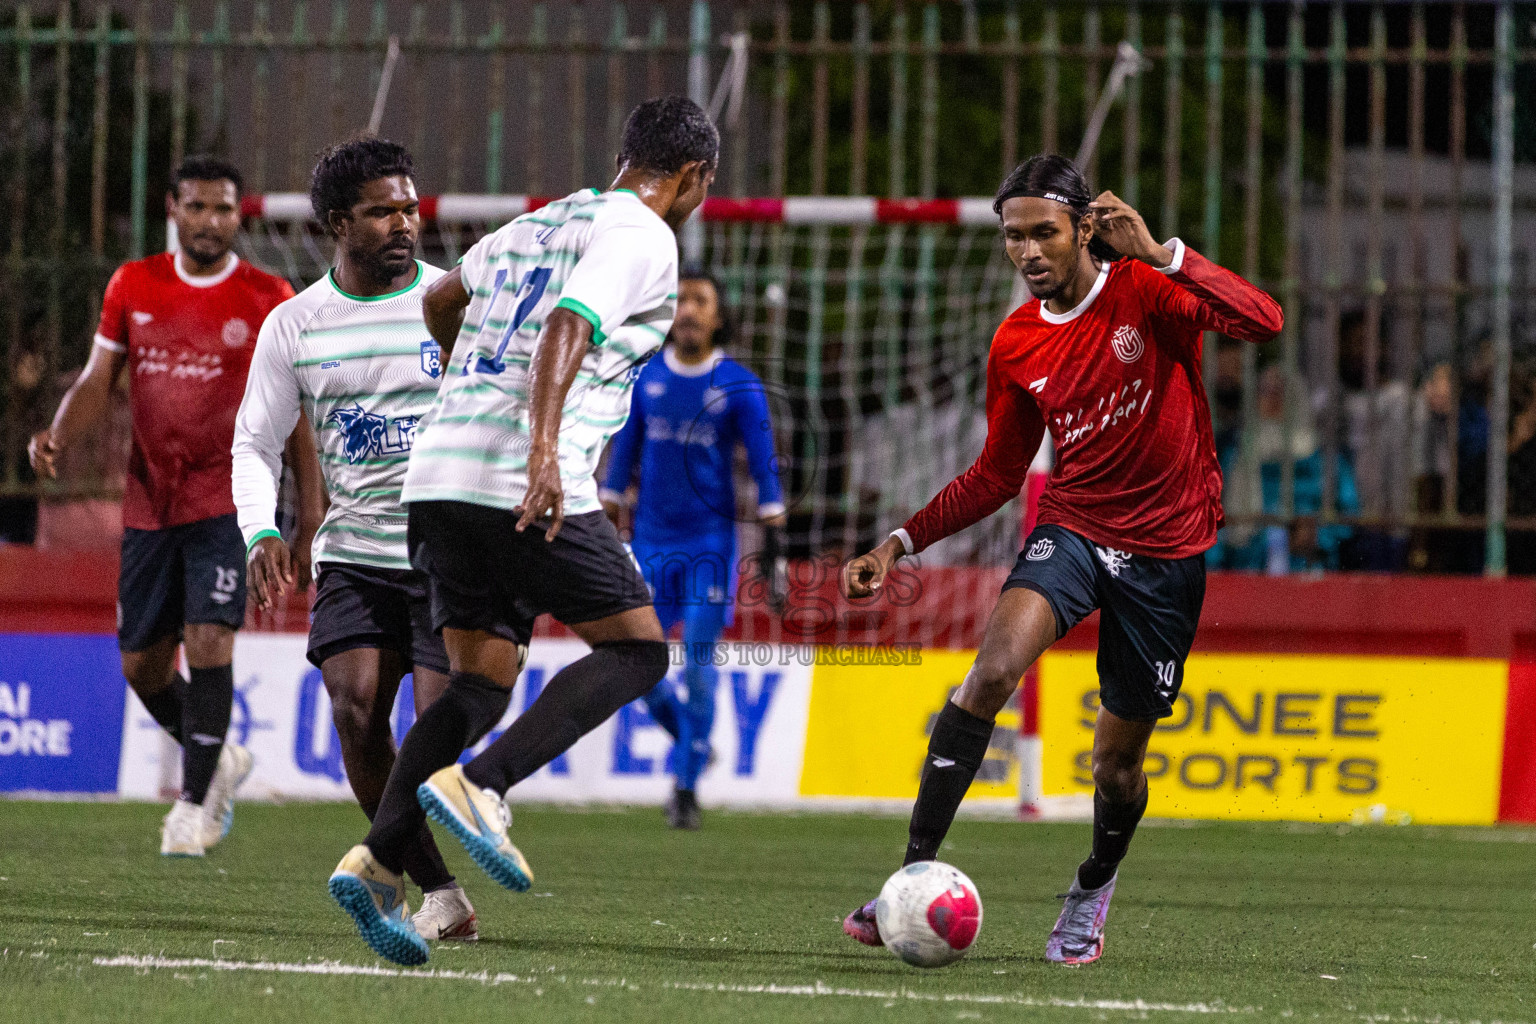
[(61, 713)]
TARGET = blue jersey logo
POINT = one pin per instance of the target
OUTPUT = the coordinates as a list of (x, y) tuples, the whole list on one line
[(431, 359), (367, 433)]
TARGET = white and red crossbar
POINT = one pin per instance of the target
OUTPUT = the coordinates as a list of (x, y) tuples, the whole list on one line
[(824, 210)]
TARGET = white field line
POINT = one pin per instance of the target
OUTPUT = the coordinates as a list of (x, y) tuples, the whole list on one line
[(814, 989)]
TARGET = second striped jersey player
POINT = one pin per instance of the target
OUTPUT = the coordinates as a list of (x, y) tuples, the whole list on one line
[(364, 372), (577, 253), (353, 354)]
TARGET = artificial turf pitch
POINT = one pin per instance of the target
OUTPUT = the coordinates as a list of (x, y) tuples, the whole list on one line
[(741, 922)]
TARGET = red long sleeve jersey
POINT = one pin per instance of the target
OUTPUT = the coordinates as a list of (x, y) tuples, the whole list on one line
[(1117, 382)]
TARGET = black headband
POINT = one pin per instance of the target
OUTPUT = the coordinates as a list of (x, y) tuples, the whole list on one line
[(1053, 196)]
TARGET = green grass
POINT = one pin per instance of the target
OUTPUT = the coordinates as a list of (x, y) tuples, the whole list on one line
[(1413, 923)]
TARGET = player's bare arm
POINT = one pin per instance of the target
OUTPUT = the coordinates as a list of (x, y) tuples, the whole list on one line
[(85, 405), (443, 309), (567, 336), (1118, 223)]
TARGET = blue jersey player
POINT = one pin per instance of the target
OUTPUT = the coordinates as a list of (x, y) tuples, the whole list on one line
[(690, 409)]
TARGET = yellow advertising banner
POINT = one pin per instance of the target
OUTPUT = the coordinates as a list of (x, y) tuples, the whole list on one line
[(867, 730), (1301, 737)]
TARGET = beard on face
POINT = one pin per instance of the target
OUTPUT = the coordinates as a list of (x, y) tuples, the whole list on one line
[(384, 264), (204, 249)]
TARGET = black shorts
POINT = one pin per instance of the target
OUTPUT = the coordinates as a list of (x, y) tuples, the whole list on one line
[(1150, 609), (366, 606), (193, 573), (486, 576)]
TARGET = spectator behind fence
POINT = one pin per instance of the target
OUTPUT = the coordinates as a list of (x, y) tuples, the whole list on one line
[(1521, 551), (1254, 487), (1374, 424), (23, 413)]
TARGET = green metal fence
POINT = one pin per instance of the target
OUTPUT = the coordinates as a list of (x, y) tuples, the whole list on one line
[(1369, 163)]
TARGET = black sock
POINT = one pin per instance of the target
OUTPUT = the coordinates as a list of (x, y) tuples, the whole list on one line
[(577, 700), (423, 860), (955, 751), (466, 711), (1113, 826), (204, 721), (165, 707)]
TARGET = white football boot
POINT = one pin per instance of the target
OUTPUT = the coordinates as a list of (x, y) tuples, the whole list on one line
[(446, 916), (235, 764), (181, 834)]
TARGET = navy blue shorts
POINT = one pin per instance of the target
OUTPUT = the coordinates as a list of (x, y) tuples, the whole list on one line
[(486, 576), (367, 606), (1150, 608), (193, 573)]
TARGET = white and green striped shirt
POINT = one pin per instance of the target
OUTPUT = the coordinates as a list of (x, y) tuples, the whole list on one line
[(603, 255), (365, 372)]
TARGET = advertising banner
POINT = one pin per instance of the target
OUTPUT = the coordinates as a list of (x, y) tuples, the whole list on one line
[(283, 714), (1301, 738), (61, 713), (869, 728)]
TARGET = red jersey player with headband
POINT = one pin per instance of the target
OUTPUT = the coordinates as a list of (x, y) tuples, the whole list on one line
[(1106, 356)]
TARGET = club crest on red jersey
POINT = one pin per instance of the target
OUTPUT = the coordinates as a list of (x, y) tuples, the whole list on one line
[(236, 332), (1127, 343)]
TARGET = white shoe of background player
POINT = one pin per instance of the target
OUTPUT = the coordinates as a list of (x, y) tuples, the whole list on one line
[(181, 834), (235, 763), (446, 916)]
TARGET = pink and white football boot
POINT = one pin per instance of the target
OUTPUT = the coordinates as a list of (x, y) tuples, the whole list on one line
[(1078, 937)]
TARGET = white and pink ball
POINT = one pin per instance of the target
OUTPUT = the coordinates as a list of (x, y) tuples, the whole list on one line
[(929, 914)]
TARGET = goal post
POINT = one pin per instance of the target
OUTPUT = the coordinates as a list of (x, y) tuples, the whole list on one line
[(869, 321)]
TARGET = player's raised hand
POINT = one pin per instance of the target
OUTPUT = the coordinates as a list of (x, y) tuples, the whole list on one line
[(545, 495), (1118, 223), (269, 573), (42, 454), (864, 576)]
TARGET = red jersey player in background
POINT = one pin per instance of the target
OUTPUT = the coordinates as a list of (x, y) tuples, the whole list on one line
[(184, 324), (1106, 357)]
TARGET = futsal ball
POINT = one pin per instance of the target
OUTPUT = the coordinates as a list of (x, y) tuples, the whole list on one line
[(929, 914)]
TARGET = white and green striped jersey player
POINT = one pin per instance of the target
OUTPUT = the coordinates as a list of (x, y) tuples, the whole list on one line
[(603, 255), (365, 372)]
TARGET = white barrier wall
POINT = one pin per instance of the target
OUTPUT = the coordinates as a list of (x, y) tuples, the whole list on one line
[(283, 715)]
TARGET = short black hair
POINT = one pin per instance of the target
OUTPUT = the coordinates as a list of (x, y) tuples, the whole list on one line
[(203, 167), (662, 135), (726, 332), (342, 170), (1050, 173)]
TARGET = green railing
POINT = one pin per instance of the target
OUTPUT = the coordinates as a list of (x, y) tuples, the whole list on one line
[(1355, 158)]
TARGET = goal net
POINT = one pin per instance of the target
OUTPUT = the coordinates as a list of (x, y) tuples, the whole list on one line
[(868, 320)]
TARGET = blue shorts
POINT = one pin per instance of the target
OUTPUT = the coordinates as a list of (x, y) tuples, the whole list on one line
[(683, 574), (193, 573), (1150, 608)]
